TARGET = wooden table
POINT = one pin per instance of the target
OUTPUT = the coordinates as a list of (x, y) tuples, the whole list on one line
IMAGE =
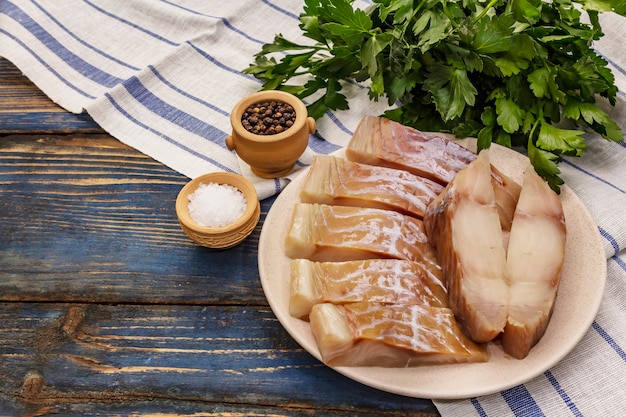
[(107, 308)]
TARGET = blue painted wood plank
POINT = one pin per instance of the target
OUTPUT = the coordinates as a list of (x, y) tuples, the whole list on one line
[(234, 355), (89, 220), (25, 109), (48, 122)]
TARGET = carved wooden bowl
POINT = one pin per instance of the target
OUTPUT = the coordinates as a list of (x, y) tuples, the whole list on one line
[(226, 236)]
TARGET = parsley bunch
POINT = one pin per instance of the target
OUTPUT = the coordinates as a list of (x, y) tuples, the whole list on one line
[(504, 71)]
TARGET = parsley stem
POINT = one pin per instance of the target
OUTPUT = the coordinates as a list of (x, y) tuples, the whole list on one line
[(453, 22), (531, 134), (485, 10)]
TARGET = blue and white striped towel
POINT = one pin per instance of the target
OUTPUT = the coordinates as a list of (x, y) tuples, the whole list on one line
[(163, 75)]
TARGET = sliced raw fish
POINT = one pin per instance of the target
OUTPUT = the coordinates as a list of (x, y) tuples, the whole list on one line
[(321, 232), (367, 334), (463, 225), (535, 258), (506, 192), (382, 281), (380, 141), (337, 181)]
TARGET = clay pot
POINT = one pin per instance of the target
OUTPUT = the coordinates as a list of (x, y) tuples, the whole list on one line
[(270, 156)]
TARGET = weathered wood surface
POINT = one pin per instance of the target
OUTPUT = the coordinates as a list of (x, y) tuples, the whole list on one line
[(106, 308), (23, 108), (91, 220), (98, 357)]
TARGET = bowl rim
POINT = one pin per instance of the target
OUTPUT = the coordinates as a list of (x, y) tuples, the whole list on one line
[(278, 95), (239, 181)]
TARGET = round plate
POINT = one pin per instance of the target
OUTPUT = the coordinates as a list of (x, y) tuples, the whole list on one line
[(580, 293)]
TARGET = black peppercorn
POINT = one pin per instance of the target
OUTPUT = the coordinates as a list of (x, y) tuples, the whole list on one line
[(268, 118)]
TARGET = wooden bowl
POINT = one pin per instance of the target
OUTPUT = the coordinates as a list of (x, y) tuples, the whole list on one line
[(219, 237)]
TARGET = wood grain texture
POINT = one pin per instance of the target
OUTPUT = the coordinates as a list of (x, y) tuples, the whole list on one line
[(56, 355), (91, 220), (108, 309), (24, 108)]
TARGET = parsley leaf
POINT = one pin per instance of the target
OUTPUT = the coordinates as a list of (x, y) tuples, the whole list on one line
[(565, 141)]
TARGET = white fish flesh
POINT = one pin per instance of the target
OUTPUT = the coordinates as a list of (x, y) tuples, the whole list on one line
[(337, 181), (380, 281), (382, 142), (368, 334), (506, 192), (321, 232), (535, 257), (463, 225)]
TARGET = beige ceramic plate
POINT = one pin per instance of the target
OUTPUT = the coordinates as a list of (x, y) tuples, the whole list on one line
[(577, 303)]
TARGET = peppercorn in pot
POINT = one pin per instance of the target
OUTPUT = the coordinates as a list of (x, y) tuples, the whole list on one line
[(268, 117)]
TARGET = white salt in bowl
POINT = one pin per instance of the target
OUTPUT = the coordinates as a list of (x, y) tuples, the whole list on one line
[(226, 236)]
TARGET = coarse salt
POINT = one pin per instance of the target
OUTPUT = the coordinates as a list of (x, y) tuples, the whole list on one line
[(216, 205)]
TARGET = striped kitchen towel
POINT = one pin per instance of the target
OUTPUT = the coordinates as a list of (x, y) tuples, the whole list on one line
[(160, 75), (163, 75)]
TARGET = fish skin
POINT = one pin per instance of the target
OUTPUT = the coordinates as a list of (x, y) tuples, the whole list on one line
[(506, 192), (383, 142), (338, 181), (463, 225), (368, 334), (381, 281), (536, 252), (321, 232)]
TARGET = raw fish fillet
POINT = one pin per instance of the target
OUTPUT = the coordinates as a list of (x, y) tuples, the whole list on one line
[(320, 232), (365, 334), (337, 181), (382, 281), (506, 192), (463, 225), (380, 141), (535, 259)]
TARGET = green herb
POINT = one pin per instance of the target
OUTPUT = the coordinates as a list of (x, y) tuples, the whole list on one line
[(505, 71)]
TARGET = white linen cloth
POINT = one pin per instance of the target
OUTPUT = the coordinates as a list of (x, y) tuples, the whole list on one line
[(163, 75)]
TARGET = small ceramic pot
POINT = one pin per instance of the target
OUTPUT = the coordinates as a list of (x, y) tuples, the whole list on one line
[(270, 156), (219, 237)]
